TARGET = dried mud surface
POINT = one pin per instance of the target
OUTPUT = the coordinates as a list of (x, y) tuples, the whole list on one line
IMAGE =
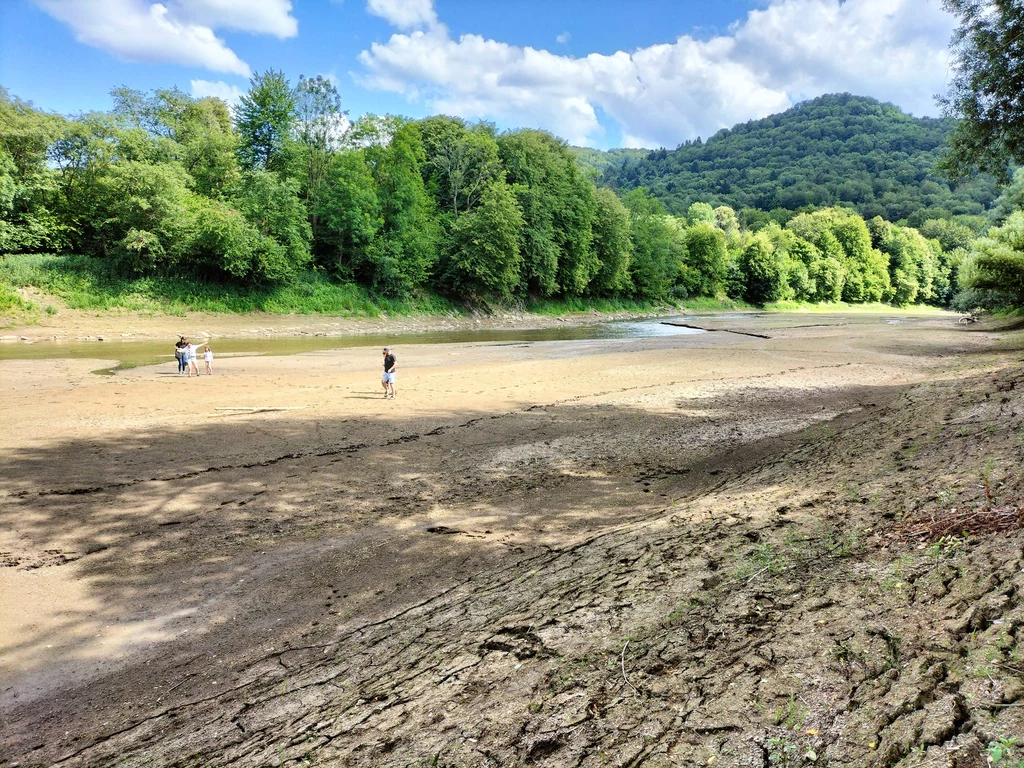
[(680, 551)]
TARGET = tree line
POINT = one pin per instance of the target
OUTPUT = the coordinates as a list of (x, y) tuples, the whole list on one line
[(168, 184)]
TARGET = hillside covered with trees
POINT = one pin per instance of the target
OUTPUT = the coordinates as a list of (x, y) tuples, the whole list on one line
[(282, 193), (837, 149)]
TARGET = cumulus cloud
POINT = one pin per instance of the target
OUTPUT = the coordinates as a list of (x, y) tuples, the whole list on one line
[(894, 50), (563, 38), (404, 14), (178, 31), (265, 17), (219, 89)]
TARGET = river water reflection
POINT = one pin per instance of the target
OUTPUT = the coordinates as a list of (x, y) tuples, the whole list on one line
[(132, 354)]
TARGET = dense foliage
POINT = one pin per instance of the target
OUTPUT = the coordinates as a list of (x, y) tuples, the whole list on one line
[(834, 150), (286, 195), (986, 87)]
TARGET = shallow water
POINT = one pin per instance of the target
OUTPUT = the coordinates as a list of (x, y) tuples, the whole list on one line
[(132, 354)]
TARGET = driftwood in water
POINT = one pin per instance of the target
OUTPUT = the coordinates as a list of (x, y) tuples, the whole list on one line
[(711, 330)]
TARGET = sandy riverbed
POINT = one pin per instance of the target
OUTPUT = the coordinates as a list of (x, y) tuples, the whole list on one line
[(155, 550)]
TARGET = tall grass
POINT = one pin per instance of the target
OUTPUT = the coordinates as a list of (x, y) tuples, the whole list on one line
[(87, 284), (567, 306), (807, 306)]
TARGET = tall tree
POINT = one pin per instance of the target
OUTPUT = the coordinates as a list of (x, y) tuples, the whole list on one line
[(320, 124), (460, 162), (485, 261), (265, 118), (402, 257), (27, 185), (209, 147), (612, 244), (993, 273), (986, 87), (659, 245), (349, 213)]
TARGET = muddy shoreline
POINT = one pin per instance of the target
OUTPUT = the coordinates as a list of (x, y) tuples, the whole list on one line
[(567, 553), (71, 325)]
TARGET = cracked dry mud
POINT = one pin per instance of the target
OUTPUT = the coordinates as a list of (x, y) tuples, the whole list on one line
[(666, 552)]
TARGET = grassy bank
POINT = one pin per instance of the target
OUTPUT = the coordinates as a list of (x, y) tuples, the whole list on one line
[(34, 285), (83, 283), (842, 306)]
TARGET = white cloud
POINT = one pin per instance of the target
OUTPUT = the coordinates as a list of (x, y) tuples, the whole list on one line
[(894, 50), (177, 32), (563, 38), (266, 17), (404, 14), (218, 89)]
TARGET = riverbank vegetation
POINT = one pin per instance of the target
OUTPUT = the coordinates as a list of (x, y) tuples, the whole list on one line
[(170, 203)]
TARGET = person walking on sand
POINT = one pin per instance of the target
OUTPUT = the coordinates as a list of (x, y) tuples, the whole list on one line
[(208, 359), (179, 354), (388, 381)]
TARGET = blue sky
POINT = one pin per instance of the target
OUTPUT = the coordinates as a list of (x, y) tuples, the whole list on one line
[(602, 73)]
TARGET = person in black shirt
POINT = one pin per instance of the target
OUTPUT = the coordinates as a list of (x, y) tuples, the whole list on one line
[(179, 354), (388, 381)]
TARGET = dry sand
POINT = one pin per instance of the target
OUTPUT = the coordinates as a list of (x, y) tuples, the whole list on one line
[(156, 552)]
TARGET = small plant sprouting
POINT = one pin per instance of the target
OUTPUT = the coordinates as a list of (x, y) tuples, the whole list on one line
[(947, 546), (782, 752), (1001, 753), (791, 715)]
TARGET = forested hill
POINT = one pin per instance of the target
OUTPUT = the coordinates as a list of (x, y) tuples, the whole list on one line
[(594, 160), (835, 149)]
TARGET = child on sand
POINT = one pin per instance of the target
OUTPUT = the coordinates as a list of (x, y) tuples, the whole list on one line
[(190, 353), (208, 359)]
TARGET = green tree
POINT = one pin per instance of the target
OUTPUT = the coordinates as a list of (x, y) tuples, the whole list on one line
[(703, 272), (403, 255), (984, 90), (762, 269), (485, 261), (917, 271), (460, 162), (841, 234), (209, 147), (659, 245), (993, 272), (611, 244), (28, 220), (949, 234), (558, 207), (158, 113), (272, 205), (1010, 199), (144, 219), (349, 213), (700, 213), (319, 121), (264, 120)]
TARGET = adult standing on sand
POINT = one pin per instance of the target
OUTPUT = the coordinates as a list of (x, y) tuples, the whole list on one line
[(388, 381), (179, 353)]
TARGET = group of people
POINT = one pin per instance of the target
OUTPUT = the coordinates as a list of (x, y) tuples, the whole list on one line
[(185, 353)]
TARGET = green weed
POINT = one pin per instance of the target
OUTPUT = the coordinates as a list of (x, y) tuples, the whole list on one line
[(1002, 753)]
